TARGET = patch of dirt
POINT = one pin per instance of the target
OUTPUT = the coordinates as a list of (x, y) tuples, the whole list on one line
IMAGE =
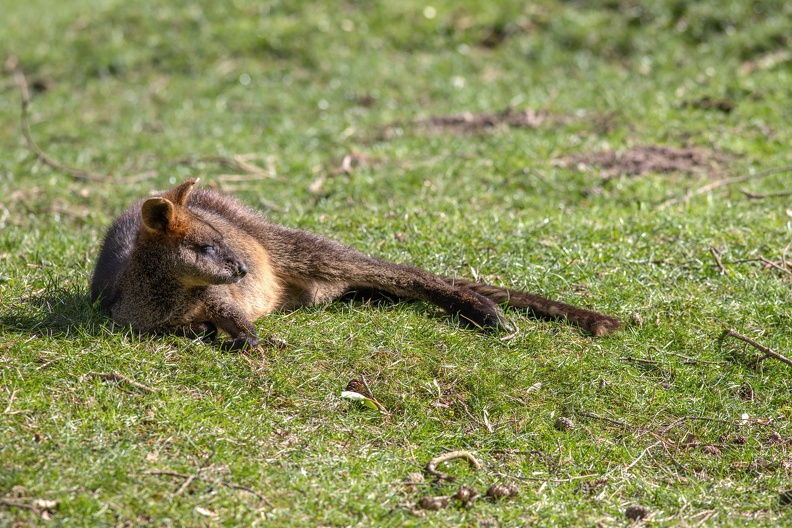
[(708, 103), (642, 160), (475, 123)]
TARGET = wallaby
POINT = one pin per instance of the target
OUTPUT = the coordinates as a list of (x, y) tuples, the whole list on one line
[(197, 261)]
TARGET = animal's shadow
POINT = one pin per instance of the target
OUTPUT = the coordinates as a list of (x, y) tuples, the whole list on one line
[(63, 311), (54, 311)]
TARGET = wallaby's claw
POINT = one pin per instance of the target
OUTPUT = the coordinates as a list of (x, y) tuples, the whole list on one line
[(242, 342)]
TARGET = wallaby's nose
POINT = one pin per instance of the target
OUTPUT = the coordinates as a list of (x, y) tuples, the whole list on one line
[(242, 269)]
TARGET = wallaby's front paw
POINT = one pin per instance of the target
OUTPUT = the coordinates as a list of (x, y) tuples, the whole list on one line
[(205, 329), (242, 342)]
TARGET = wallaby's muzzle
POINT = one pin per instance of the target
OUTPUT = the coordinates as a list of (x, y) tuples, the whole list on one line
[(241, 269)]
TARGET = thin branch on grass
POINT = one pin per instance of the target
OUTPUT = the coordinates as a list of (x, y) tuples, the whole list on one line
[(723, 183), (431, 466), (768, 352), (191, 478), (716, 256), (640, 360), (757, 196), (118, 378), (15, 503), (772, 264), (77, 174)]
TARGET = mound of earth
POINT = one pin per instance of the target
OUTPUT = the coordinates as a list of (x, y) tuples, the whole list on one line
[(641, 160)]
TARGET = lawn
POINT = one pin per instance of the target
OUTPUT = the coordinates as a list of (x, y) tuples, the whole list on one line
[(628, 157)]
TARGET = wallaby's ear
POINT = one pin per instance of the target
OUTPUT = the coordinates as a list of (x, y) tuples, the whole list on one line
[(158, 214), (180, 194)]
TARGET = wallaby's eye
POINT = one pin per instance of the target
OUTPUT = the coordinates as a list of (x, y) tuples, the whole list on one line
[(207, 249)]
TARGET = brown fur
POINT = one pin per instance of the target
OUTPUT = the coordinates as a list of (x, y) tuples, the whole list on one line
[(198, 261)]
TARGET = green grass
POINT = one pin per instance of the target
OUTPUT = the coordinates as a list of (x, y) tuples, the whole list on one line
[(131, 89)]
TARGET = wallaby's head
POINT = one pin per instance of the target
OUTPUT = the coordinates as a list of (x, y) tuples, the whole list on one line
[(191, 249)]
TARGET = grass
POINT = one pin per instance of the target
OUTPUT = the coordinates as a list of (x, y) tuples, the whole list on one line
[(133, 89)]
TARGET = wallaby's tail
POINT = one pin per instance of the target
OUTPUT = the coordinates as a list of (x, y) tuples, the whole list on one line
[(593, 322)]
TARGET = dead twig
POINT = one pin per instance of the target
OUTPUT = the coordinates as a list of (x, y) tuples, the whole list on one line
[(15, 503), (118, 378), (486, 425), (431, 466), (775, 265), (639, 360), (78, 174), (190, 478), (716, 256), (723, 183), (768, 352), (757, 196)]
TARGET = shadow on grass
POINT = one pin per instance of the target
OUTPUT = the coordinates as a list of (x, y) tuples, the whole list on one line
[(65, 310), (56, 311)]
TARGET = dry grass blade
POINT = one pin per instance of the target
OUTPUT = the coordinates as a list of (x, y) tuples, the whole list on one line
[(118, 378), (8, 410), (723, 183)]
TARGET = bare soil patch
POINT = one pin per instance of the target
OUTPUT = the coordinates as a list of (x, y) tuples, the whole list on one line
[(476, 123), (648, 159), (708, 103)]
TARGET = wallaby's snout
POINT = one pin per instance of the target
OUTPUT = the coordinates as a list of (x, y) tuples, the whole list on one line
[(241, 268)]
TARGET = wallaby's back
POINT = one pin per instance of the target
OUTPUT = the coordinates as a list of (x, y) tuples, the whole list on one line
[(114, 256)]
